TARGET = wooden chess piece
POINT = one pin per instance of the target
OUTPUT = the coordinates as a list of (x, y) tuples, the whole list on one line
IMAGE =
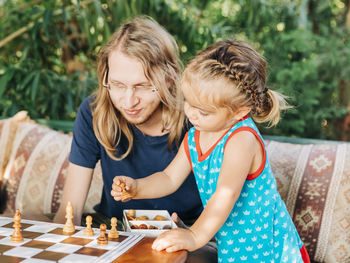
[(17, 235), (69, 228), (125, 193), (113, 233), (88, 232), (102, 240)]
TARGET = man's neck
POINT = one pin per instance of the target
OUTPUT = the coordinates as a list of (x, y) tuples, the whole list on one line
[(153, 126)]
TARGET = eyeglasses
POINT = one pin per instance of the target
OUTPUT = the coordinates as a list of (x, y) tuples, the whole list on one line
[(118, 88)]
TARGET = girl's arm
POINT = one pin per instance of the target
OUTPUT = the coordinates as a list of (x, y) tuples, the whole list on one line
[(158, 184), (239, 156)]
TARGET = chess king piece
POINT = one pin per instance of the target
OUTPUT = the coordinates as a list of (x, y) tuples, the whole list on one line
[(102, 240), (113, 233), (88, 232), (17, 235), (69, 228)]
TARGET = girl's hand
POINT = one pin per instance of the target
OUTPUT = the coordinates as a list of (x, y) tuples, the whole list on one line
[(175, 239), (123, 188)]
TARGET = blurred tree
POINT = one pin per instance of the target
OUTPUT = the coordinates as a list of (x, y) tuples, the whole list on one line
[(306, 44), (49, 48), (48, 52)]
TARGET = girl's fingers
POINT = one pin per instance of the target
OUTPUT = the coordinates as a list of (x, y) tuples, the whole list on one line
[(162, 242), (116, 188), (168, 246), (116, 194), (116, 180), (175, 247), (157, 245)]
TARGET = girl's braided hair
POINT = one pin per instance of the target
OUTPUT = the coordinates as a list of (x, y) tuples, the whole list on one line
[(244, 70)]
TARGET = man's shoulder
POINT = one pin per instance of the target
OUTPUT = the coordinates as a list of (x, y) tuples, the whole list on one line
[(84, 114), (87, 103), (86, 107)]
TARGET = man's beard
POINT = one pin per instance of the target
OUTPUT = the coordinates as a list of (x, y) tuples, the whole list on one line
[(143, 121)]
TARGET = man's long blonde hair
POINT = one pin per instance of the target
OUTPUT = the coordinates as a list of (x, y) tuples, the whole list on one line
[(144, 39)]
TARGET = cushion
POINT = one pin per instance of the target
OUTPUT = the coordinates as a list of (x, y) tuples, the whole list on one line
[(314, 182), (5, 126), (7, 133), (36, 172)]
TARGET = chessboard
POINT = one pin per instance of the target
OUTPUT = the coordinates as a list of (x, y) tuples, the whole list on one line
[(45, 242)]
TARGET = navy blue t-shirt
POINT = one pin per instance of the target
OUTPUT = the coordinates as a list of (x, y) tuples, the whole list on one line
[(149, 154)]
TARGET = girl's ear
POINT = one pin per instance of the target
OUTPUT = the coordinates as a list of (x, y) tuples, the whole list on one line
[(241, 112)]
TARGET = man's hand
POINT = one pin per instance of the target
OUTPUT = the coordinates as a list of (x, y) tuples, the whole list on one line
[(176, 239), (123, 188)]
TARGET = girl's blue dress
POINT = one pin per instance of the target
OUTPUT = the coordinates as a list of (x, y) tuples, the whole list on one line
[(259, 227)]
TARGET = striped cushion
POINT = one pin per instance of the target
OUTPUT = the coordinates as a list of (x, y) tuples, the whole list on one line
[(36, 171), (314, 182), (7, 134), (4, 139)]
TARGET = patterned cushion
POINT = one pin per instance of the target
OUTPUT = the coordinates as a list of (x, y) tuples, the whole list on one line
[(5, 126), (36, 171), (7, 133), (314, 182)]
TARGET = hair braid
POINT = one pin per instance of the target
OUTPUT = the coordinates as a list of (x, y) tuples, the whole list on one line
[(247, 76), (244, 69)]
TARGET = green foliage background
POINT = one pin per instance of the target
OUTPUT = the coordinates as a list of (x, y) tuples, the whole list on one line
[(48, 52)]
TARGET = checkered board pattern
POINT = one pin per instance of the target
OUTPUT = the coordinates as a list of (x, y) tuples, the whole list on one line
[(45, 242)]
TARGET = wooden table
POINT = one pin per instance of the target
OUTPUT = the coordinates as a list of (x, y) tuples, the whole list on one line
[(142, 252)]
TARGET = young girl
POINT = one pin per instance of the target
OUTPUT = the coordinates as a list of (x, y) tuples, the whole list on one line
[(224, 88)]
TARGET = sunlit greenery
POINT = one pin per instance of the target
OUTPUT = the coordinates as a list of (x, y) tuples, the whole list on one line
[(48, 51)]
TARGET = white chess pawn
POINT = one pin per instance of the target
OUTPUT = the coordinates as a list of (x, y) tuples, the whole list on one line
[(102, 240), (88, 232), (113, 233)]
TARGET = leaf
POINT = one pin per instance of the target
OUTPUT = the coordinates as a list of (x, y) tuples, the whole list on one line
[(35, 86), (27, 79), (70, 103), (5, 79), (46, 22)]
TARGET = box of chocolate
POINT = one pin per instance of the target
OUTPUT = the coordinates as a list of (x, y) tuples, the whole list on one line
[(147, 222)]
